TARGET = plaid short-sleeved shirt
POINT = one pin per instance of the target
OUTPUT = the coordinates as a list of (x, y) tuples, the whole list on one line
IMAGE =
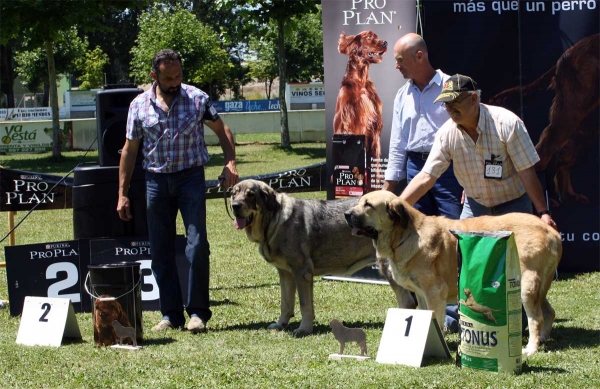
[(502, 134), (173, 140)]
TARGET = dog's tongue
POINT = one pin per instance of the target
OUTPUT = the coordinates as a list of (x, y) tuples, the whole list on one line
[(354, 231), (240, 222)]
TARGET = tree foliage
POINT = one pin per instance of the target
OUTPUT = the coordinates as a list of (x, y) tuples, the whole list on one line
[(41, 23), (32, 65), (204, 61), (258, 15), (91, 66)]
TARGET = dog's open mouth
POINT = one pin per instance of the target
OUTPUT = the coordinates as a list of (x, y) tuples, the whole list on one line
[(369, 232), (243, 222), (378, 54)]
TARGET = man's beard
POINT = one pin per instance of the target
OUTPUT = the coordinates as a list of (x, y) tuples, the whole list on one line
[(172, 91)]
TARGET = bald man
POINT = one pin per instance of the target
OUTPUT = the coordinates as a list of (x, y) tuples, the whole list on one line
[(415, 122)]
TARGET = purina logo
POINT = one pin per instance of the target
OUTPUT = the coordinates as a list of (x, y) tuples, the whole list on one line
[(143, 243), (25, 177), (57, 246), (341, 167)]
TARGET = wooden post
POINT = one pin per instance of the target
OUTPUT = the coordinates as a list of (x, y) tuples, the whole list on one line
[(11, 237), (11, 225)]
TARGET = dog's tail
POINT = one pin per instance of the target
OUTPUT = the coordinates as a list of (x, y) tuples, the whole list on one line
[(541, 84)]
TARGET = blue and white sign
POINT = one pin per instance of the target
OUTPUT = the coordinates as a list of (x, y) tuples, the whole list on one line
[(246, 105)]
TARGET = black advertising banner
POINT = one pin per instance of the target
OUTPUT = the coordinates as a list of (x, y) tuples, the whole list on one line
[(22, 190), (43, 270), (59, 269), (108, 251), (358, 41), (538, 59)]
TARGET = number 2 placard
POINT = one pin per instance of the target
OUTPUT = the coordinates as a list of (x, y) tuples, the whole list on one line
[(46, 321), (408, 336)]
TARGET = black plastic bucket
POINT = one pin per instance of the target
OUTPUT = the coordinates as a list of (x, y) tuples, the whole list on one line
[(116, 294)]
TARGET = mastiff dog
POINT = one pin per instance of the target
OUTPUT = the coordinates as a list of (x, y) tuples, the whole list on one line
[(302, 239), (420, 254)]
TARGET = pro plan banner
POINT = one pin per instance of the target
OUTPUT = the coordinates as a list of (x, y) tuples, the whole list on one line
[(358, 42), (59, 269), (538, 59), (22, 190)]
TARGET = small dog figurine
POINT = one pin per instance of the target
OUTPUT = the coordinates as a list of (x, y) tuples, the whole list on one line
[(344, 334), (124, 332)]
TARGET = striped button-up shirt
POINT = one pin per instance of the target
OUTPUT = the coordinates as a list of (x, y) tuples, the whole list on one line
[(502, 134), (172, 139)]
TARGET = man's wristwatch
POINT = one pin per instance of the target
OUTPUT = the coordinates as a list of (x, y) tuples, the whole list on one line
[(544, 212)]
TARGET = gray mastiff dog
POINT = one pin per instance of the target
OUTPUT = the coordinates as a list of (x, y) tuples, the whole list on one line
[(302, 239)]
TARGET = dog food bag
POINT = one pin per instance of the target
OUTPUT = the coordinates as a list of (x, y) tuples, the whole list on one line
[(489, 292), (350, 175)]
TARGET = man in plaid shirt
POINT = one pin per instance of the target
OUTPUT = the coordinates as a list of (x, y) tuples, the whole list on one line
[(167, 121), (493, 159)]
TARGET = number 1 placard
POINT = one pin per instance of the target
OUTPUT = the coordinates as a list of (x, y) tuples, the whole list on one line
[(46, 321), (409, 335)]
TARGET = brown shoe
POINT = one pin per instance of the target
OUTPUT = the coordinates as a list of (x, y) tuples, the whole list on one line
[(163, 325), (196, 325)]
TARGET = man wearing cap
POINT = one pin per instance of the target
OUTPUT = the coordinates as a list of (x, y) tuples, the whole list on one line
[(414, 125), (493, 159), (492, 153)]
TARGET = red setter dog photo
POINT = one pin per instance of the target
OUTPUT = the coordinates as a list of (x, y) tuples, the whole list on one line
[(105, 313), (573, 119), (358, 107)]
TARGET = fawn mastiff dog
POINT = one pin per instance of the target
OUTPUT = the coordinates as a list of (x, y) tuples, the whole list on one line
[(302, 239), (420, 254)]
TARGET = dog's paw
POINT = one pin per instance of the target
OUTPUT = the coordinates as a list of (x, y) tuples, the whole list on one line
[(300, 332), (277, 326), (528, 351)]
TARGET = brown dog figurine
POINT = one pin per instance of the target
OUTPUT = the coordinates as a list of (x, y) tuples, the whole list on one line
[(344, 335), (105, 313)]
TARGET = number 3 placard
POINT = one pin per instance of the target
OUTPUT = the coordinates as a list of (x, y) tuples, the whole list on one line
[(408, 336), (46, 321)]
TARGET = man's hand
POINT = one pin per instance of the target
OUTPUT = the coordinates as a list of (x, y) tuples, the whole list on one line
[(549, 221), (229, 176), (123, 209)]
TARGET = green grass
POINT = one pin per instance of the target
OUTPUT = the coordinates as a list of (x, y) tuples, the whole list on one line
[(239, 352)]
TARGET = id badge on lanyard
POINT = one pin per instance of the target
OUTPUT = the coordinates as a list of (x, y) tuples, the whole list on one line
[(493, 168)]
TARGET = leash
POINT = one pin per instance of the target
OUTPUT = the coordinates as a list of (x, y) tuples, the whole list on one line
[(222, 185)]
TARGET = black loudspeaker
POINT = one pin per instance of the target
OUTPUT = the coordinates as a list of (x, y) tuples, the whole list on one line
[(111, 119)]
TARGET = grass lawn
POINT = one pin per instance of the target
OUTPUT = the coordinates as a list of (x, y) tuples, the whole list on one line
[(239, 352)]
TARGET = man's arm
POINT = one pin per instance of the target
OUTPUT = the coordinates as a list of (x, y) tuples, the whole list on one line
[(227, 143), (536, 194), (417, 187), (126, 165)]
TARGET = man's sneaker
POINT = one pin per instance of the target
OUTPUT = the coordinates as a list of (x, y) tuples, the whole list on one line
[(196, 325), (163, 326)]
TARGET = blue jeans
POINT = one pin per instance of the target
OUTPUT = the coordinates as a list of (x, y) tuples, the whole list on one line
[(443, 199), (471, 208), (166, 194)]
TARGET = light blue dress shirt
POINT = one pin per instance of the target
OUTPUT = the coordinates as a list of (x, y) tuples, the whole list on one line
[(415, 123)]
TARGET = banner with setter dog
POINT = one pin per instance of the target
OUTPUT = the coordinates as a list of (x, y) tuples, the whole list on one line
[(540, 60)]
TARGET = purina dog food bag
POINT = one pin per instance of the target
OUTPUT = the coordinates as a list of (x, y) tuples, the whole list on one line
[(489, 290)]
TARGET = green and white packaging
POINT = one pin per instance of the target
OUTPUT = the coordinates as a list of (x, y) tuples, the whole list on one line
[(489, 290)]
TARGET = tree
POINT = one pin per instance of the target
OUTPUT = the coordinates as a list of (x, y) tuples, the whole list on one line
[(42, 21), (258, 14), (32, 64), (303, 47), (91, 66), (204, 61)]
